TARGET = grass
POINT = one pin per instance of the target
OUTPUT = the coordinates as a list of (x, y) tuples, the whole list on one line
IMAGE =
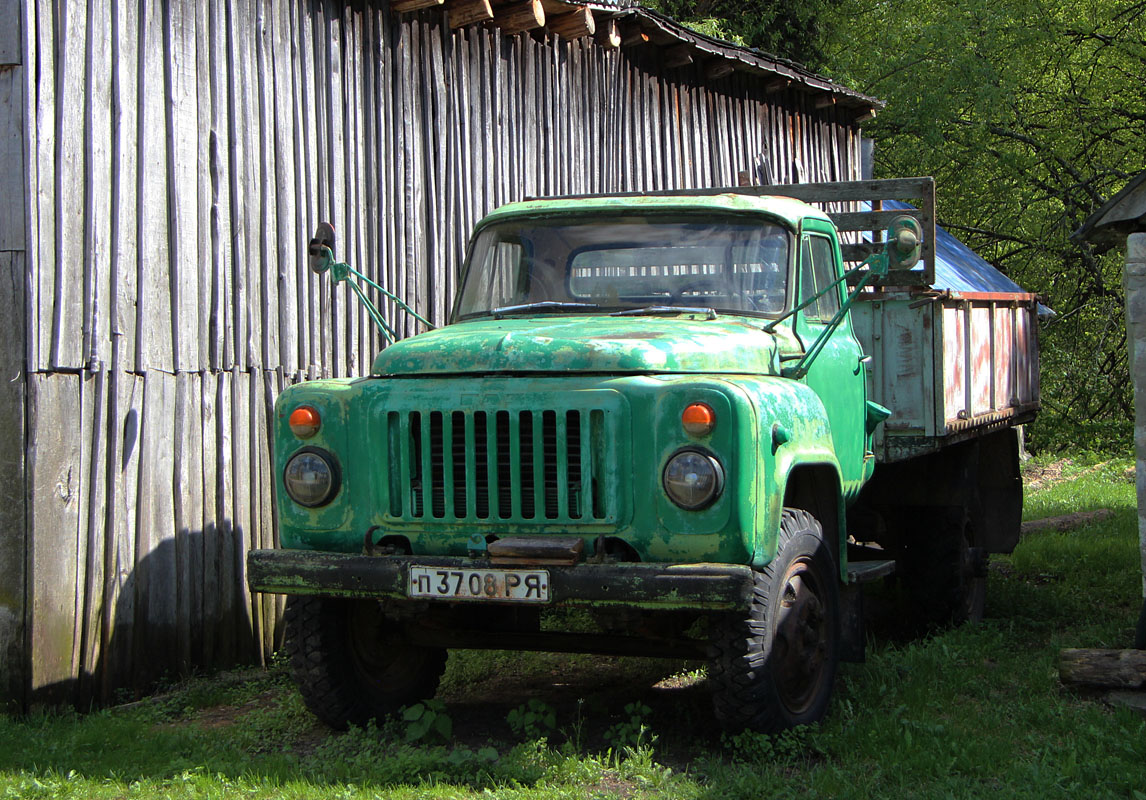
[(968, 712)]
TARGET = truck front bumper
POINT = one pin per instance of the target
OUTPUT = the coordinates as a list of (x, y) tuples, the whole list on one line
[(706, 587)]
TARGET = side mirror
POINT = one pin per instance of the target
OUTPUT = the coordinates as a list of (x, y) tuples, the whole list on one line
[(321, 249), (904, 236)]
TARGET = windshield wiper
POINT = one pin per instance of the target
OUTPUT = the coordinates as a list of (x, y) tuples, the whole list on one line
[(649, 311), (545, 305)]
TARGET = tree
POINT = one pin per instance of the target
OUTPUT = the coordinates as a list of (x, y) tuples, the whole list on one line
[(795, 30), (1030, 114)]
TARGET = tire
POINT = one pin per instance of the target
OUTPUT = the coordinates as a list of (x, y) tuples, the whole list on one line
[(945, 576), (773, 667), (351, 665)]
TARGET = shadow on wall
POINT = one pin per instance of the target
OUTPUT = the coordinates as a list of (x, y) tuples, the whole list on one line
[(183, 609)]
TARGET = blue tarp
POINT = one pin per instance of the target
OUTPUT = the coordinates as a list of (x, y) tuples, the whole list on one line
[(957, 267)]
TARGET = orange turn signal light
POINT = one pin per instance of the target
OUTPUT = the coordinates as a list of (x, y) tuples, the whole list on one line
[(305, 422), (698, 419)]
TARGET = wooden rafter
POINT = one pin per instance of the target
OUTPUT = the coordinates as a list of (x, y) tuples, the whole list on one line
[(573, 25), (609, 34), (466, 12), (518, 17), (404, 6)]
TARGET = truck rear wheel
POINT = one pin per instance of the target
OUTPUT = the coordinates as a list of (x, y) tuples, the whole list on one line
[(773, 667), (351, 665), (945, 575)]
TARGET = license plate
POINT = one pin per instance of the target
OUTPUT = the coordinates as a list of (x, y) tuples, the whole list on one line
[(505, 585)]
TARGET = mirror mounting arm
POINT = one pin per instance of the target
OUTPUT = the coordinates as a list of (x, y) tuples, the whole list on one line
[(320, 253)]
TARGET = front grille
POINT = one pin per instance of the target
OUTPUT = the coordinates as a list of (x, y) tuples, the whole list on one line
[(516, 465)]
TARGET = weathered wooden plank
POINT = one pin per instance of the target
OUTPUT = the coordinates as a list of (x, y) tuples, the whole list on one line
[(893, 189), (125, 407), (180, 72), (241, 511), (263, 392), (287, 250), (42, 205), (212, 523), (220, 249), (154, 319), (250, 203), (188, 519), (11, 39), (54, 484), (124, 232), (227, 549), (66, 343), (436, 127), (13, 502), (266, 278), (156, 645), (13, 176), (353, 248), (335, 154), (322, 302), (205, 303), (865, 220), (234, 91), (94, 532), (98, 209)]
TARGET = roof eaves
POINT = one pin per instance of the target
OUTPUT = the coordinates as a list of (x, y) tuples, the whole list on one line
[(1121, 215), (750, 58)]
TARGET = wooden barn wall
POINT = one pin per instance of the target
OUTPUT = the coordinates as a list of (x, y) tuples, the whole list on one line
[(179, 154)]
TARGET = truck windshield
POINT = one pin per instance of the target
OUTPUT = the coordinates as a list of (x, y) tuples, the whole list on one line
[(607, 265)]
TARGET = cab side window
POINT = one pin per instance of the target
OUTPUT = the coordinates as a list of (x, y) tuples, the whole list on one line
[(817, 271)]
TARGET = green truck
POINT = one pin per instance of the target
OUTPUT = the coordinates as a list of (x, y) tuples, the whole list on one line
[(683, 414)]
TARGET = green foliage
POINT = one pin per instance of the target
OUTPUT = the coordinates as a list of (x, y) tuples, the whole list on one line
[(632, 731), (533, 719), (1030, 115), (794, 30), (749, 747), (428, 721)]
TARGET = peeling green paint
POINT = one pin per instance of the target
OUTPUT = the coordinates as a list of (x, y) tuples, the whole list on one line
[(685, 343)]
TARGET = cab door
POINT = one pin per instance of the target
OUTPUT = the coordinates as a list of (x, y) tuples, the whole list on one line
[(837, 374)]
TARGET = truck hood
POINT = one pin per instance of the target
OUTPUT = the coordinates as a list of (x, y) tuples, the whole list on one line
[(590, 344)]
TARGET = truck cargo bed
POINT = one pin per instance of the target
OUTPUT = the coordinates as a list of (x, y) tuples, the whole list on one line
[(949, 365)]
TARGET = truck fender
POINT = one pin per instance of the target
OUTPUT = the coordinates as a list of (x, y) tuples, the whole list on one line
[(813, 484)]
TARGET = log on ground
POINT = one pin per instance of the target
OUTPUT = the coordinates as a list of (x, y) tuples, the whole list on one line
[(1107, 669)]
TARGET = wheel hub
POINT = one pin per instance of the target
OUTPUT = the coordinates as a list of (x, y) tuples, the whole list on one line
[(802, 638)]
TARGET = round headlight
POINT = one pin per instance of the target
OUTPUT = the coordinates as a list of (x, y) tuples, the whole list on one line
[(311, 478), (693, 480)]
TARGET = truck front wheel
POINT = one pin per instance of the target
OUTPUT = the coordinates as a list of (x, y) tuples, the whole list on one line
[(773, 666), (351, 664)]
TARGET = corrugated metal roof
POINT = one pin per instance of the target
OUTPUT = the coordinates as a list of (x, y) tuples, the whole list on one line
[(753, 60)]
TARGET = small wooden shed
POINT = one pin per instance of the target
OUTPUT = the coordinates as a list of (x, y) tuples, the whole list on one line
[(161, 166), (1122, 220)]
